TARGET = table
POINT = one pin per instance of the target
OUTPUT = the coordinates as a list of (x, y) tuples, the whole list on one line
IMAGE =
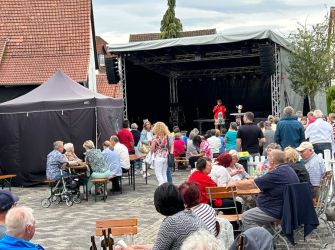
[(6, 179), (201, 121), (132, 159), (82, 168), (241, 192)]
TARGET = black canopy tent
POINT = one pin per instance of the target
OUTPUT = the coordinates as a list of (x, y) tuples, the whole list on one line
[(59, 109)]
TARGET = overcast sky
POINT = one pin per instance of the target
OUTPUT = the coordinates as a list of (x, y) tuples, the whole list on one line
[(116, 19)]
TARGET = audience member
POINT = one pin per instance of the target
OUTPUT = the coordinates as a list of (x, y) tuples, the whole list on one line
[(249, 136), (136, 133), (202, 147), (126, 137), (289, 131), (271, 119), (320, 134), (7, 201), (269, 135), (70, 155), (261, 125), (310, 117), (112, 160), (146, 134), (219, 174), (270, 200), (313, 163), (215, 142), (265, 167), (236, 170), (230, 137), (122, 151), (192, 154), (331, 120), (20, 224), (190, 194), (96, 163), (138, 164), (179, 146), (202, 240), (55, 161), (292, 159), (304, 121), (298, 114)]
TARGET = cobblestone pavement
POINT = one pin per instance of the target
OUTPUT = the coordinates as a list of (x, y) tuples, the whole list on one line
[(64, 228)]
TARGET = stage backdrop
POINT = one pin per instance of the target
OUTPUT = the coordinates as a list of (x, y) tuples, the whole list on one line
[(59, 109)]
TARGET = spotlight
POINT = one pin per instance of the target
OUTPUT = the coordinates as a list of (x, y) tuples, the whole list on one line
[(243, 76), (214, 78)]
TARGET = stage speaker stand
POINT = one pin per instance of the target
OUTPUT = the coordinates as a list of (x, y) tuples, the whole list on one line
[(267, 59), (112, 70)]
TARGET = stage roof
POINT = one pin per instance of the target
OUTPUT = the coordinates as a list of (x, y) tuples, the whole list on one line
[(199, 40)]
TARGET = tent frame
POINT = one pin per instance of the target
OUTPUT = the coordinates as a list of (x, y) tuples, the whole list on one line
[(276, 84)]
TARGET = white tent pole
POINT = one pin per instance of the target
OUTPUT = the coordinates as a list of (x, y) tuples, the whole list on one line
[(96, 127)]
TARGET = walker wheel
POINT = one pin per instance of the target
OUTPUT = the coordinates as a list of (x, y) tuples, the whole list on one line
[(46, 202), (69, 202)]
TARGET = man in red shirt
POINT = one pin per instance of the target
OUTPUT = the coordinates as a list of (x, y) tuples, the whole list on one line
[(219, 113), (126, 137)]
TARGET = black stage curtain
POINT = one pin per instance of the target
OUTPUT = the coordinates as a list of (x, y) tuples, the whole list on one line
[(26, 139)]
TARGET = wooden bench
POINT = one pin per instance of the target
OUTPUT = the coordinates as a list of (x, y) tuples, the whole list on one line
[(178, 160), (119, 227), (6, 180), (100, 182)]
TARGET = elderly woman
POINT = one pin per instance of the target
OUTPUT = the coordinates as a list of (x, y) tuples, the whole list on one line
[(95, 161), (264, 167), (236, 170), (292, 159), (178, 223), (161, 145), (219, 173), (70, 155)]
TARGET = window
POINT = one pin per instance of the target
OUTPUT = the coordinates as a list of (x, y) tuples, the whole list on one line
[(101, 60)]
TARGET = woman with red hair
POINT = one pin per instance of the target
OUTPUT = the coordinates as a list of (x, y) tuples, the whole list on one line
[(219, 173)]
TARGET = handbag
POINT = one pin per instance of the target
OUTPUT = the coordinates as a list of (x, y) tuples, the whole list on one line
[(170, 157), (330, 211), (144, 148)]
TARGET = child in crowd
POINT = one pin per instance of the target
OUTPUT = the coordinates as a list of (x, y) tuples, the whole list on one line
[(230, 137)]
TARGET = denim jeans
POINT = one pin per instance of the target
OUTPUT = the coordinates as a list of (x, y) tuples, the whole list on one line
[(169, 174)]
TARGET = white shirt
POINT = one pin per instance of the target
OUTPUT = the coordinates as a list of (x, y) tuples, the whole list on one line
[(122, 150), (214, 143), (320, 131), (219, 175)]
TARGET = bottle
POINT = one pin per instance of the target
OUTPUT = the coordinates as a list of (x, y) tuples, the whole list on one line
[(104, 241), (110, 240), (93, 245)]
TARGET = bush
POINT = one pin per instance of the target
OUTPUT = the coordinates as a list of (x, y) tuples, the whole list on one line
[(330, 99)]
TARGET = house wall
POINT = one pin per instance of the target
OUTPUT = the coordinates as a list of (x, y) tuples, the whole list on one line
[(92, 84)]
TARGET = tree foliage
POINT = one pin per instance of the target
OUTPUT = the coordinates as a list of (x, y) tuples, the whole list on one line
[(311, 68), (170, 25)]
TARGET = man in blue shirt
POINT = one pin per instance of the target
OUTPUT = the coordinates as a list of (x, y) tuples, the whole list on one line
[(55, 161), (20, 224), (270, 200), (112, 159)]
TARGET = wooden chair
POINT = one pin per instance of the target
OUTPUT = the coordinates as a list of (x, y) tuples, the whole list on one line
[(182, 160), (119, 227)]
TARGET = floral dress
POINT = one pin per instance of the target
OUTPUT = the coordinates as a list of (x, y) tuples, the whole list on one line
[(205, 149), (161, 146), (95, 161)]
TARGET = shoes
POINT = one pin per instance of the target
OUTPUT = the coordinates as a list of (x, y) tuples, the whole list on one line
[(144, 175), (151, 167)]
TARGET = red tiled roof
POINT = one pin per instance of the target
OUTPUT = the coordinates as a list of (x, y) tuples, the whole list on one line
[(100, 45), (44, 35), (155, 36), (112, 90)]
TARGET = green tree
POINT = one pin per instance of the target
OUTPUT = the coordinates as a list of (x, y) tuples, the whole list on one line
[(170, 25), (311, 68)]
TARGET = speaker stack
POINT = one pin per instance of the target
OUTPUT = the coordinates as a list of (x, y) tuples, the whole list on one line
[(267, 59)]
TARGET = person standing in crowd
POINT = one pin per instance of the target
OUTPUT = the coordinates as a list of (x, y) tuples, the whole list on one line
[(55, 161), (313, 163), (126, 137), (271, 119), (20, 223), (320, 134), (138, 164), (112, 160), (7, 201), (160, 149), (249, 136), (215, 142), (289, 131), (304, 122), (136, 133), (230, 137), (219, 114), (95, 161), (310, 117), (269, 135)]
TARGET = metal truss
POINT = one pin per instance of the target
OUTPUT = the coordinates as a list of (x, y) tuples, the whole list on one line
[(122, 70), (275, 85)]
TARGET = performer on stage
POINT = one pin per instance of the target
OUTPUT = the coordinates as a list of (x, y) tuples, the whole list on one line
[(219, 114)]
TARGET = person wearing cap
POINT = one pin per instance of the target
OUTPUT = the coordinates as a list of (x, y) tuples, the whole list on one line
[(320, 134), (7, 201), (313, 163), (269, 135), (20, 223)]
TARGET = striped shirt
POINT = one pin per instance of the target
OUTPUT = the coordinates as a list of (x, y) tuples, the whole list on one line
[(207, 214), (316, 169)]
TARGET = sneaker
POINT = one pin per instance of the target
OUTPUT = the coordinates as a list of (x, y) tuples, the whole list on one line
[(144, 176), (151, 167)]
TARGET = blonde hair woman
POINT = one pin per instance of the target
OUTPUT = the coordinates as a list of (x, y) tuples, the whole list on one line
[(292, 159), (159, 147), (95, 160)]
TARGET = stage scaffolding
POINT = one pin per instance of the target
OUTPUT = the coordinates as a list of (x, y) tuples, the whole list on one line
[(276, 84)]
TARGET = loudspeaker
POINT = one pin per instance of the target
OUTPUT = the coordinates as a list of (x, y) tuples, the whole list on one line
[(112, 70), (267, 59)]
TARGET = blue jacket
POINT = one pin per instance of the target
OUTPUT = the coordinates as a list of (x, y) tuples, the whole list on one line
[(144, 138), (11, 243), (289, 132)]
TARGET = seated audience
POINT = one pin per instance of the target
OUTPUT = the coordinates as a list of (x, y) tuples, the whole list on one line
[(270, 200), (190, 194), (265, 167), (214, 142), (20, 223), (219, 173), (192, 154), (95, 161), (55, 161), (179, 146), (292, 159), (202, 240), (122, 151), (313, 163), (269, 136), (177, 225), (7, 201), (112, 160), (236, 170), (230, 137), (202, 147), (70, 155)]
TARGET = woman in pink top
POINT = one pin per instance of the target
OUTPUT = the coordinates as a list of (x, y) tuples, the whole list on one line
[(202, 147)]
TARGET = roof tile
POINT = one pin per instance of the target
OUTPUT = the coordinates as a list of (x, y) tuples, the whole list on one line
[(112, 90)]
